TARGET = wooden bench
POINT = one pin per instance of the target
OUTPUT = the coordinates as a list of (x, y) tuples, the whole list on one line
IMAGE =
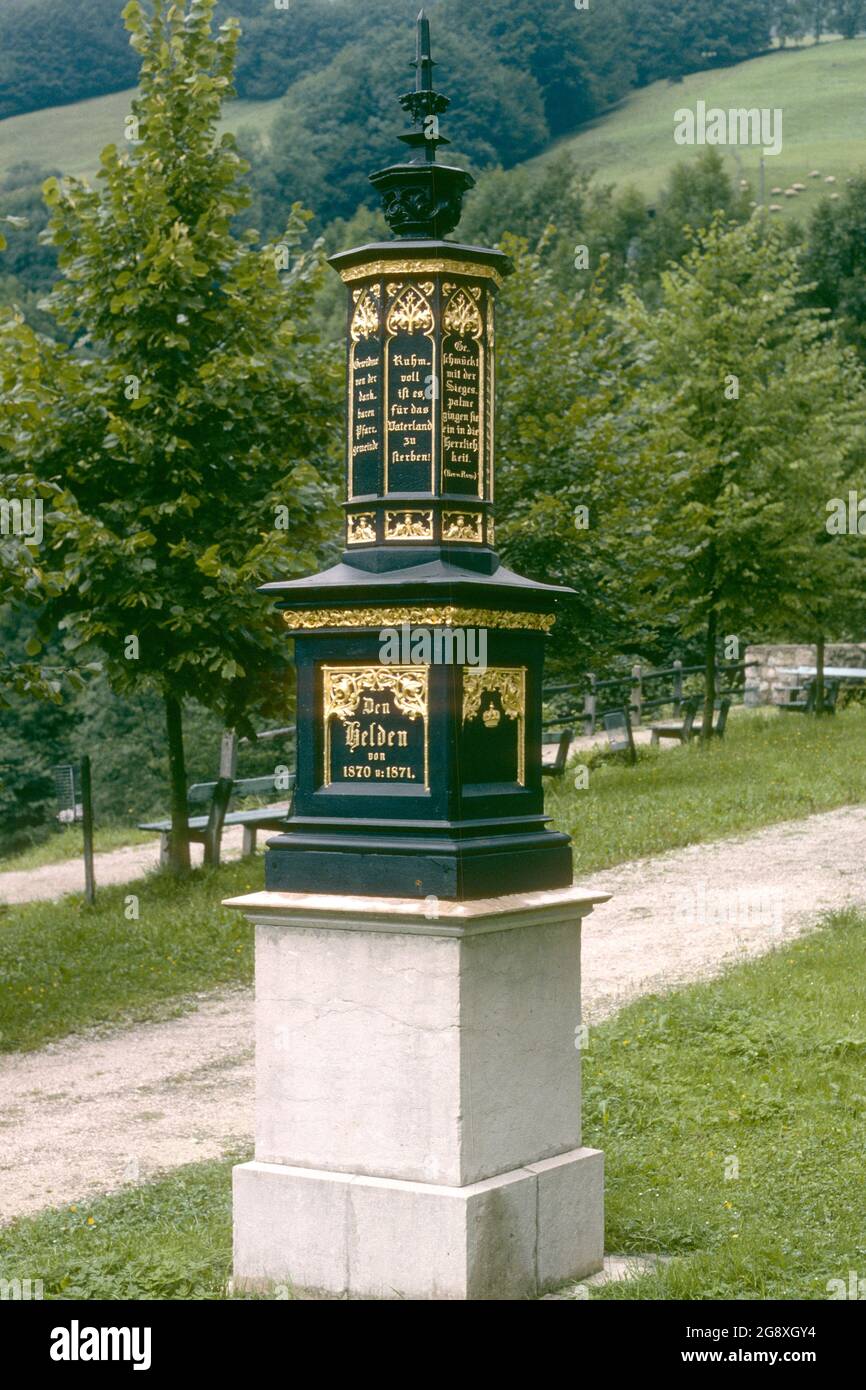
[(803, 698), (554, 751), (680, 729), (689, 726), (207, 829)]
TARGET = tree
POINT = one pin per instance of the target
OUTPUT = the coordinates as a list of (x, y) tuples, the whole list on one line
[(30, 367), (834, 260), (565, 448), (847, 16), (697, 190), (745, 403), (196, 408)]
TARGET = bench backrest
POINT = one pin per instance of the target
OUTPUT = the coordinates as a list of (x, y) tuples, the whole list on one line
[(222, 795), (690, 714), (201, 794), (722, 716), (554, 750), (617, 726), (258, 786)]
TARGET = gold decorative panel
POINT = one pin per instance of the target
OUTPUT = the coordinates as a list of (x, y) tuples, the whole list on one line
[(365, 319), (408, 526), (462, 526), (410, 313), (362, 527), (462, 316), (314, 619), (509, 683)]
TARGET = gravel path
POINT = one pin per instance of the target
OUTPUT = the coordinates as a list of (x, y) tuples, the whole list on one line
[(111, 866), (84, 1116)]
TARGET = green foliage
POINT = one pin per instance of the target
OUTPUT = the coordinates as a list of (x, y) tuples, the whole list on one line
[(26, 257), (564, 443), (193, 422), (695, 193), (749, 415), (675, 39), (834, 260)]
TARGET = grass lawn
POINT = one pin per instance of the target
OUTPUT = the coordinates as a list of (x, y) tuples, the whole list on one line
[(67, 966), (819, 90), (732, 1115), (758, 1074), (70, 138), (68, 844), (770, 767)]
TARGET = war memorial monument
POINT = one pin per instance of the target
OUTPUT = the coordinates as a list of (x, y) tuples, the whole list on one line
[(418, 1103)]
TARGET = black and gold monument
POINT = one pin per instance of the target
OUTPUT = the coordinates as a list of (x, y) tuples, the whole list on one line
[(419, 655), (418, 1090)]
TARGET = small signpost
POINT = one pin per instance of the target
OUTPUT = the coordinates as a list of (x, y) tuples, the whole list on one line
[(75, 804)]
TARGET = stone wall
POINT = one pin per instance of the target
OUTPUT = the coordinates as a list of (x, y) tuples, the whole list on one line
[(768, 683)]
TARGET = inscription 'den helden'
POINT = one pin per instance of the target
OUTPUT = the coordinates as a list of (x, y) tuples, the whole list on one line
[(375, 725)]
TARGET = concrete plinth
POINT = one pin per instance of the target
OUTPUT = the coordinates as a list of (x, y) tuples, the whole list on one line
[(418, 1127)]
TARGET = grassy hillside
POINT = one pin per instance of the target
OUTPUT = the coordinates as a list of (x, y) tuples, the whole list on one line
[(69, 138), (820, 91)]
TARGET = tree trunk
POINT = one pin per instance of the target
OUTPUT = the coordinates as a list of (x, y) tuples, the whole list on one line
[(179, 855), (819, 676), (710, 677)]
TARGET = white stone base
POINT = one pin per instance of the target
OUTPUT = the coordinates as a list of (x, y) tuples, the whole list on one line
[(418, 1127), (342, 1235)]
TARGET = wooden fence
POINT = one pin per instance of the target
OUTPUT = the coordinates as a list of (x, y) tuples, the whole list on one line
[(641, 691)]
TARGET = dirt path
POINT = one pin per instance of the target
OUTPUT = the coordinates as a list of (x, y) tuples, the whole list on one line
[(85, 1116), (111, 866)]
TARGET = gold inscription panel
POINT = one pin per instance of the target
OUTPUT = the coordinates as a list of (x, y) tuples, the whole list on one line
[(376, 726)]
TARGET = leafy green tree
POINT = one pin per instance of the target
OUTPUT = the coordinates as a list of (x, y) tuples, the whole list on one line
[(697, 190), (30, 367), (564, 445), (689, 35), (747, 405), (848, 17), (197, 411), (834, 260)]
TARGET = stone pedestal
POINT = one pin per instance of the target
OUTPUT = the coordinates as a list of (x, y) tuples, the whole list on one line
[(418, 1107)]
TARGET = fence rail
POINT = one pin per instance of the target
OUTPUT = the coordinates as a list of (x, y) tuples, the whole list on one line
[(589, 702)]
